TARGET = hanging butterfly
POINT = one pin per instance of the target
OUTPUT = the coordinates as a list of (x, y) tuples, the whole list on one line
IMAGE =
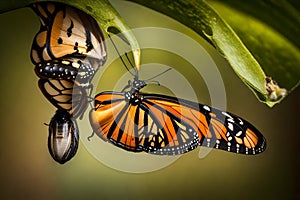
[(160, 124), (67, 51), (165, 125)]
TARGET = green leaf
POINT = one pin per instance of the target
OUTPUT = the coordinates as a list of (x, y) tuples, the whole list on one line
[(259, 38), (270, 30), (106, 16)]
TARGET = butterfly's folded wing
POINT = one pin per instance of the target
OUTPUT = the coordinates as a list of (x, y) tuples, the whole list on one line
[(66, 94), (65, 33)]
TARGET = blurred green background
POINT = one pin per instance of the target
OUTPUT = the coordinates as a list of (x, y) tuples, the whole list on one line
[(28, 171)]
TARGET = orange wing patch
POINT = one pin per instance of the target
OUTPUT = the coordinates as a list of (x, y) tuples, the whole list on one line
[(219, 129), (250, 140)]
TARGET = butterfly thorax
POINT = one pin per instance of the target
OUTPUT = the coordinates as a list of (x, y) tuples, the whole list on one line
[(133, 96)]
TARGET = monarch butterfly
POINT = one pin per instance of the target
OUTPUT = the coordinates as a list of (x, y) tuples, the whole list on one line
[(67, 51), (166, 125)]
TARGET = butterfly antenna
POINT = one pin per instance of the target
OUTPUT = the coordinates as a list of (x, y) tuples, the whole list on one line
[(126, 54), (120, 55), (157, 82), (158, 75), (135, 70), (89, 137)]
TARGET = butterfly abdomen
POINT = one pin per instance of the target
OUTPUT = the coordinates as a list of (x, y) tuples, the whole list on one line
[(65, 69), (55, 70)]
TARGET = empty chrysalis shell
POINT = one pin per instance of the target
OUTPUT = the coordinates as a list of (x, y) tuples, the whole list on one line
[(63, 136)]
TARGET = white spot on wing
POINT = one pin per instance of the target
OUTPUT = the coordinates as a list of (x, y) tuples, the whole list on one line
[(241, 121), (238, 134), (230, 126), (226, 114), (230, 120), (76, 65), (206, 108), (65, 62)]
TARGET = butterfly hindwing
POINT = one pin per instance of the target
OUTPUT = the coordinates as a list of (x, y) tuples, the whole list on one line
[(66, 94)]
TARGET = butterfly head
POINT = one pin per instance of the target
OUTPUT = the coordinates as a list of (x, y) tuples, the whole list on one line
[(136, 85)]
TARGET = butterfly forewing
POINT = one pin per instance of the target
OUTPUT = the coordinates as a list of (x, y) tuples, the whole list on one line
[(176, 136), (214, 128)]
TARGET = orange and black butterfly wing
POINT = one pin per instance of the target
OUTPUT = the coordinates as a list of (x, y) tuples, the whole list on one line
[(214, 128), (66, 32), (139, 127), (166, 125), (69, 45), (66, 94), (109, 108)]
